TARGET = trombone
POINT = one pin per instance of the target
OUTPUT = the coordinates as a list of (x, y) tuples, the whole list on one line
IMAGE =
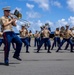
[(17, 15)]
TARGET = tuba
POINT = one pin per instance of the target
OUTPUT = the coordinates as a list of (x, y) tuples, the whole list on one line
[(17, 15)]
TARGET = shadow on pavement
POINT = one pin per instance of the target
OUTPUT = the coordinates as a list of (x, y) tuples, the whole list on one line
[(1, 63)]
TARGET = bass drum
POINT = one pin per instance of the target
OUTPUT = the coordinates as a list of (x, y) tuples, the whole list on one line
[(72, 40)]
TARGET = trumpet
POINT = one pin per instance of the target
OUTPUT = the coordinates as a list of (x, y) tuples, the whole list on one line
[(17, 15)]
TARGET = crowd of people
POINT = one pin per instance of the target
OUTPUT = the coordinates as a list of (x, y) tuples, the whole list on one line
[(61, 35), (8, 36)]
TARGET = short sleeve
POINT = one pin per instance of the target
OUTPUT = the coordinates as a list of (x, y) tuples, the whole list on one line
[(3, 21)]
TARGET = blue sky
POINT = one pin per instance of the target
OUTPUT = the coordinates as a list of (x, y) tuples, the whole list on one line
[(56, 12)]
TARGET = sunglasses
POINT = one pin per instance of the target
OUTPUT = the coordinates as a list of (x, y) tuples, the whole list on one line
[(7, 10)]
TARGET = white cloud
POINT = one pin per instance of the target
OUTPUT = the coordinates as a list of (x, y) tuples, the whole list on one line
[(30, 6), (33, 14), (35, 25), (50, 23), (19, 9), (39, 23), (70, 4), (71, 21), (44, 4), (62, 22), (56, 3)]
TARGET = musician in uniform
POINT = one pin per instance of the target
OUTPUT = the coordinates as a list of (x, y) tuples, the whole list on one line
[(56, 38), (37, 38), (41, 35), (29, 37), (24, 37), (66, 38), (9, 36), (72, 38), (45, 39), (67, 45), (62, 30)]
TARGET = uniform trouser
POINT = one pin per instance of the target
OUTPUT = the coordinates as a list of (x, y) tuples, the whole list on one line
[(1, 41), (67, 45), (35, 41), (13, 45), (38, 41), (63, 41), (8, 38), (29, 38), (25, 40), (45, 45), (72, 43), (56, 41), (44, 40)]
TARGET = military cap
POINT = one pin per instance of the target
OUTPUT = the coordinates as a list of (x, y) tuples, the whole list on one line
[(6, 8), (23, 25), (67, 25)]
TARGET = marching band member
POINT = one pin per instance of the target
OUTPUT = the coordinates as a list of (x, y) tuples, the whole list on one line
[(67, 45), (56, 38), (9, 35), (49, 28), (45, 39), (72, 38), (24, 37), (29, 37), (66, 38), (37, 38)]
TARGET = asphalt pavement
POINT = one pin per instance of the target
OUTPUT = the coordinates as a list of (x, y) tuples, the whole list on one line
[(43, 63)]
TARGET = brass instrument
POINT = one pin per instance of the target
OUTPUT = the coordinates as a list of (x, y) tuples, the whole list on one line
[(17, 15), (47, 25)]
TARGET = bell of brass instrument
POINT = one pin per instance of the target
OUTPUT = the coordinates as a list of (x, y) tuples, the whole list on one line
[(17, 15)]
